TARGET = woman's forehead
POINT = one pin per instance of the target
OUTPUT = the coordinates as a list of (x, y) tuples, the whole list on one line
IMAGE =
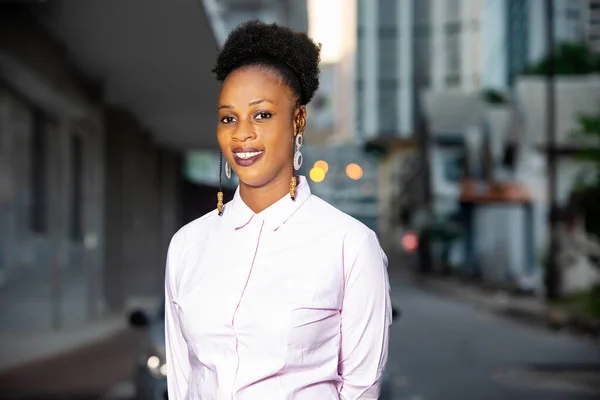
[(251, 83)]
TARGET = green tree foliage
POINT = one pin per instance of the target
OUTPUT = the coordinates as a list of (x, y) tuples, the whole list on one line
[(494, 96), (569, 59), (588, 132), (587, 191)]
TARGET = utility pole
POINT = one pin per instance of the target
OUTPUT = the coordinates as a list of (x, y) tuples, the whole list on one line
[(422, 132), (552, 276)]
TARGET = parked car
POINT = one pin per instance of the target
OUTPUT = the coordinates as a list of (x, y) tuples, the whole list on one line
[(150, 375), (151, 368)]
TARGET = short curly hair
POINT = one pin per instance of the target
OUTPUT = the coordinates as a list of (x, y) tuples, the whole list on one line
[(293, 56)]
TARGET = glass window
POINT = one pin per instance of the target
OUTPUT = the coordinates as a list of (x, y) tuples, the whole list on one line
[(39, 165), (388, 55), (387, 107), (453, 54), (424, 12), (387, 12), (359, 115), (573, 14), (517, 50), (76, 196), (424, 57), (453, 10), (360, 59)]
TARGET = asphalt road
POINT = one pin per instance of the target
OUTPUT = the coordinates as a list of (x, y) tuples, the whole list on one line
[(450, 350), (440, 349)]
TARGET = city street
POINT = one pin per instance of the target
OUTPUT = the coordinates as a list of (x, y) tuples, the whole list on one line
[(441, 349)]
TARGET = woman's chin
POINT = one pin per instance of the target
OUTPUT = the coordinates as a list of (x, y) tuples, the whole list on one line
[(256, 178), (253, 178)]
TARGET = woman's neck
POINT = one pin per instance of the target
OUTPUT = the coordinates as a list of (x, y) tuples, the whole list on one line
[(259, 198)]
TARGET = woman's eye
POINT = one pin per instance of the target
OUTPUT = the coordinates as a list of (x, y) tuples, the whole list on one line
[(227, 120), (263, 115)]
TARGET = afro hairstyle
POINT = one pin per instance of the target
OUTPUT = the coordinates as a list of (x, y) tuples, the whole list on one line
[(293, 56)]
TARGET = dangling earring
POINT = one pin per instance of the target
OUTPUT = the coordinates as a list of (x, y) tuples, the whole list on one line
[(299, 141), (298, 155), (220, 192), (227, 170)]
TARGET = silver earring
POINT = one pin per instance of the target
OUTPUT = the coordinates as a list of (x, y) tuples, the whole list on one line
[(227, 170), (298, 155)]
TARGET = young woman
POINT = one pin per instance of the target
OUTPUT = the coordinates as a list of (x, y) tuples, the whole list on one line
[(275, 295)]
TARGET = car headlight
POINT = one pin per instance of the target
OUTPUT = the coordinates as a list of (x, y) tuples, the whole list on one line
[(155, 363)]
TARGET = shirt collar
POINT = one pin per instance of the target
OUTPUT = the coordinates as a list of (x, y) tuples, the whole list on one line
[(238, 214)]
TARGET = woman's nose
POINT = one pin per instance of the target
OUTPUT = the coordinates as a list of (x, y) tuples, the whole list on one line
[(243, 132)]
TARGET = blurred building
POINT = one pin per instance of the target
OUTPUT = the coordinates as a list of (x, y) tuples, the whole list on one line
[(594, 24), (458, 49), (290, 13), (99, 102), (460, 44), (340, 171)]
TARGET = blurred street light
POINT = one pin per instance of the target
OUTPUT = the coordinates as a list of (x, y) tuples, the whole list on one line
[(323, 165), (325, 27), (317, 174), (410, 242), (354, 171)]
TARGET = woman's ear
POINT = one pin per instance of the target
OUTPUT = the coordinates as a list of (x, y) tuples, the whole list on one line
[(299, 120)]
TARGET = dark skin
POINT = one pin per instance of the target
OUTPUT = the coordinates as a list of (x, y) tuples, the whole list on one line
[(258, 110)]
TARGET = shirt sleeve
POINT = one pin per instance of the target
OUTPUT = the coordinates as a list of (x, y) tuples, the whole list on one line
[(178, 367), (366, 316)]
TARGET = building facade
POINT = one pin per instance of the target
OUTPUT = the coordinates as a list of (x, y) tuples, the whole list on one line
[(593, 18), (93, 129), (456, 44)]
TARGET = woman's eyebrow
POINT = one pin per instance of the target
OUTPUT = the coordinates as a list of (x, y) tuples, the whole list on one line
[(252, 103), (255, 102)]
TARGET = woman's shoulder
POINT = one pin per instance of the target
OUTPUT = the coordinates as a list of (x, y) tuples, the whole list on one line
[(192, 231), (343, 230), (325, 213)]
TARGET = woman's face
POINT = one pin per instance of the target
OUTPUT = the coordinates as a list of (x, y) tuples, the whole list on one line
[(258, 119)]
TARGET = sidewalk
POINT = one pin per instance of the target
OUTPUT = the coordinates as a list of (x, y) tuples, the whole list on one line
[(86, 372), (23, 348), (524, 308)]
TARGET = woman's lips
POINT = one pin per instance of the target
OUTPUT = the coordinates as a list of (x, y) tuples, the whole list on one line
[(246, 156)]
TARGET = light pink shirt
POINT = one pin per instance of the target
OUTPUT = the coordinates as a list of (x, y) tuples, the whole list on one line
[(290, 303)]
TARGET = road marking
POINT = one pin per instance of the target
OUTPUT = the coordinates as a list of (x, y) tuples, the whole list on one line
[(121, 391)]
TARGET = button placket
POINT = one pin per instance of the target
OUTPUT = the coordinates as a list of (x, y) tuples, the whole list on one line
[(253, 230)]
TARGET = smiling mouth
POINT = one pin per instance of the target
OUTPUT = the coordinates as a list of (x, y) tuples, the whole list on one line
[(248, 155), (247, 158)]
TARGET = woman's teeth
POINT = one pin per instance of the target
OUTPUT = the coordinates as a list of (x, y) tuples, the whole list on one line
[(245, 156)]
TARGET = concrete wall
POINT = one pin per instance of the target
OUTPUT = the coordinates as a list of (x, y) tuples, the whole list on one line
[(45, 251), (142, 187), (574, 95), (89, 160)]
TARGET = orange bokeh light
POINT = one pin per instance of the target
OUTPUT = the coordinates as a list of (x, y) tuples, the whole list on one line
[(354, 171)]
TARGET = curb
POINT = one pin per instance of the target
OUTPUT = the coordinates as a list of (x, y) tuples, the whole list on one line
[(546, 317), (20, 349), (557, 319)]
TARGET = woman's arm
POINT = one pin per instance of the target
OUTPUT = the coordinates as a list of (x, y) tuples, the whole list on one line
[(366, 317), (178, 367)]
